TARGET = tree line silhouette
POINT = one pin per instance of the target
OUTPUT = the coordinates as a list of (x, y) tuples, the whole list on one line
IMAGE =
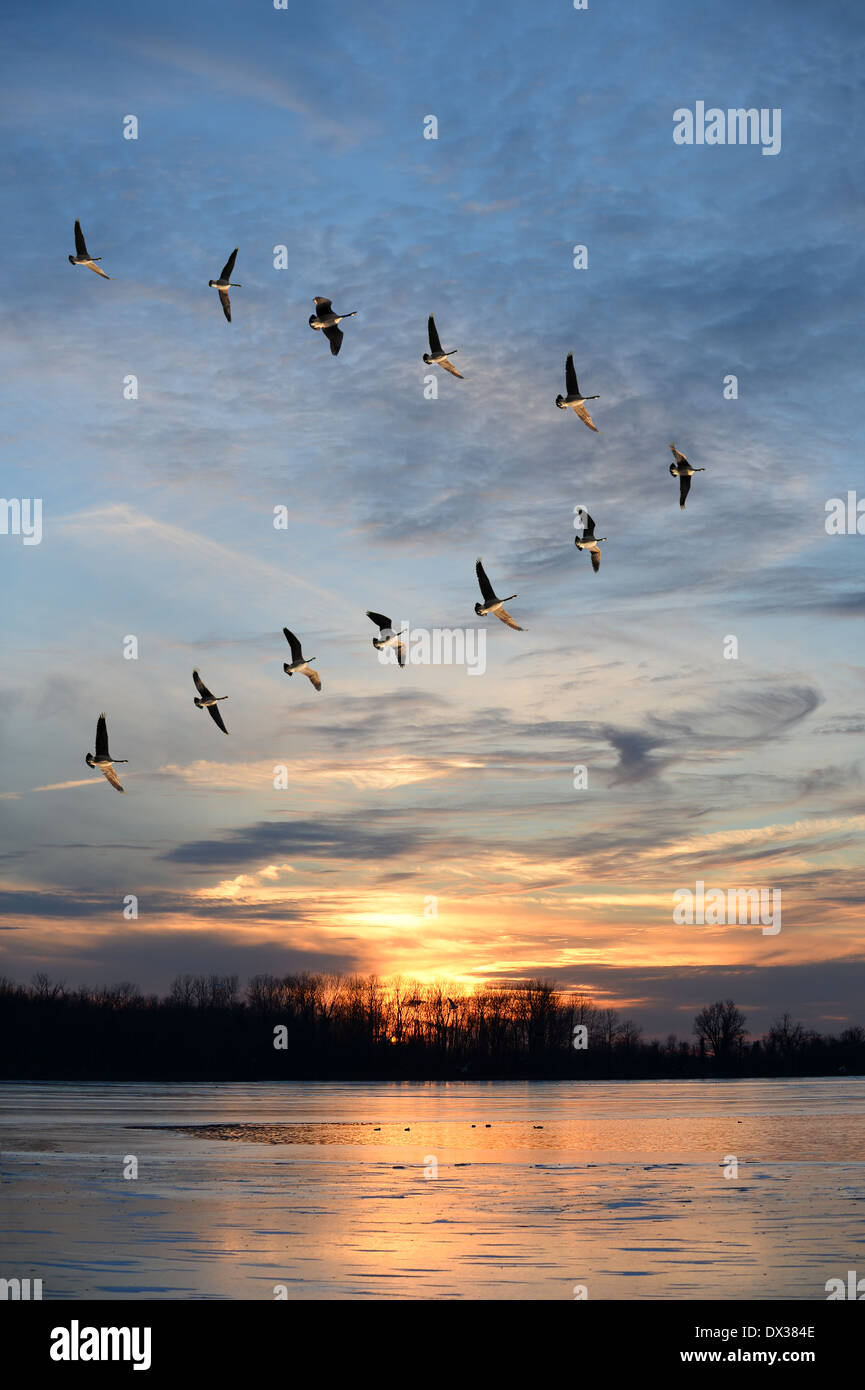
[(318, 1026)]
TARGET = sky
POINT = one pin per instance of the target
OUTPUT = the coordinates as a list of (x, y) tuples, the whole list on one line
[(430, 826)]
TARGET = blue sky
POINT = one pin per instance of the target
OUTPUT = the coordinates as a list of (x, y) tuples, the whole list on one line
[(304, 128)]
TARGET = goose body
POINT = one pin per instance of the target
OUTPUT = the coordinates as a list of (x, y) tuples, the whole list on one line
[(327, 322), (299, 664), (387, 637), (103, 760), (491, 603), (83, 257), (682, 470), (207, 700), (436, 354), (224, 284), (589, 541), (574, 398)]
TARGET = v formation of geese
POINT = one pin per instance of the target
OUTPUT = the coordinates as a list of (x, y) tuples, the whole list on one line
[(300, 665), (327, 321)]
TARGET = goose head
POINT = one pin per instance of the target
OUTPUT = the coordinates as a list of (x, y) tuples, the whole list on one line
[(560, 402)]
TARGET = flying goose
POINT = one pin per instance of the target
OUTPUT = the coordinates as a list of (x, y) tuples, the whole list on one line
[(435, 354), (299, 662), (83, 257), (491, 604), (103, 760), (589, 541), (387, 637), (325, 319), (224, 284), (573, 398), (682, 470), (208, 701)]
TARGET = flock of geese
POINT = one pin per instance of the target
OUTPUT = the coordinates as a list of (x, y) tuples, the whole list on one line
[(325, 320)]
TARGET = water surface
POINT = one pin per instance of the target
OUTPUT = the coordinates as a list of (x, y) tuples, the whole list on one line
[(326, 1190)]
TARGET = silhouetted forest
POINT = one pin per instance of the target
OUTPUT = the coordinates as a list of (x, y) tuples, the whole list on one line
[(328, 1026)]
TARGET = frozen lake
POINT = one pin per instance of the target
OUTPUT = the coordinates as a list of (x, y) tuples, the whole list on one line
[(323, 1188)]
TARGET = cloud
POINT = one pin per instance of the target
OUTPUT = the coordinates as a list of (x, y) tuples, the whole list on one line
[(153, 959), (252, 82), (334, 839), (124, 526), (370, 773)]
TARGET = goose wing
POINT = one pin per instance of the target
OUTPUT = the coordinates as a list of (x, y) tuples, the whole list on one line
[(680, 458), (449, 367), (684, 488), (487, 591), (80, 243), (99, 271), (434, 341), (101, 738), (323, 306), (226, 304), (571, 387), (314, 677), (228, 268), (380, 620), (213, 711), (334, 336), (585, 417), (111, 776), (400, 653), (596, 559), (201, 687), (296, 652), (506, 618)]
